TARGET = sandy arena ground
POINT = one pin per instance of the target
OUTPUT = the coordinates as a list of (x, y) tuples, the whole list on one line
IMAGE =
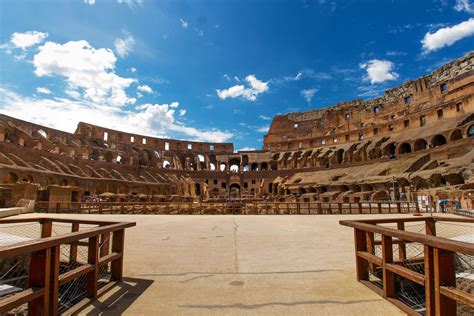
[(239, 265)]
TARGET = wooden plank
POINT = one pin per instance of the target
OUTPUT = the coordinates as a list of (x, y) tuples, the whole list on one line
[(406, 273), (458, 295), (429, 282), (93, 260), (402, 247), (36, 245), (39, 277), (361, 246), (118, 242), (433, 241), (110, 257), (73, 246), (19, 298), (74, 273), (444, 275), (388, 276), (54, 282)]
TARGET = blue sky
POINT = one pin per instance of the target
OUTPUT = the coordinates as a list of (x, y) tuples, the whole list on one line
[(214, 70)]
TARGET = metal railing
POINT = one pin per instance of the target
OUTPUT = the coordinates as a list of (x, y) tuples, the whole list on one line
[(51, 265), (423, 265), (247, 208)]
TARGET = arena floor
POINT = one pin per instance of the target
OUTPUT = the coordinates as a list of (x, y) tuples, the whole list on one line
[(239, 265)]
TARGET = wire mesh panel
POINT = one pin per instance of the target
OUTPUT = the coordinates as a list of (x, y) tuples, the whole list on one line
[(410, 293)]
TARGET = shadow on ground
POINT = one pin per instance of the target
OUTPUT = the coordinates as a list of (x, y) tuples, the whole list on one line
[(120, 297)]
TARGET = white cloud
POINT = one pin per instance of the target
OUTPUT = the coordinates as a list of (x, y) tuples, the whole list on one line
[(265, 118), (91, 2), (133, 69), (85, 68), (308, 94), (145, 88), (132, 4), (250, 93), (182, 112), (447, 36), (263, 129), (379, 70), (247, 149), (27, 39), (43, 90), (464, 5), (184, 24), (124, 46), (64, 114)]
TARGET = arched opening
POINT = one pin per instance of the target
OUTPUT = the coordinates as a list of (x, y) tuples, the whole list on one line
[(301, 191), (455, 135), (470, 131), (438, 140), (254, 167), (381, 195), (404, 148), (264, 166), (201, 158), (212, 166), (222, 167), (234, 168), (274, 165), (375, 153), (420, 144), (339, 156), (43, 133), (245, 167), (234, 190), (9, 178), (94, 155), (197, 189), (389, 150), (166, 164)]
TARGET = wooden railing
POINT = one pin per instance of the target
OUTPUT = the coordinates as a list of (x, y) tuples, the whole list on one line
[(58, 272), (259, 208), (433, 272)]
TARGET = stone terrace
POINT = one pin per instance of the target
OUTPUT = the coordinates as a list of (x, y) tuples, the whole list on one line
[(239, 265)]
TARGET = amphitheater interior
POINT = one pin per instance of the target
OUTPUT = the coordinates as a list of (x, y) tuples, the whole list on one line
[(414, 141)]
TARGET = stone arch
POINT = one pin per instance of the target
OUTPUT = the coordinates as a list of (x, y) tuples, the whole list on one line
[(264, 166), (94, 155), (254, 166), (470, 131), (438, 140), (234, 190), (9, 178), (389, 150), (339, 156), (455, 135), (404, 148), (380, 195), (420, 144), (222, 166), (166, 164)]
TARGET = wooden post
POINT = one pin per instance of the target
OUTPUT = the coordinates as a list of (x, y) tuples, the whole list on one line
[(359, 206), (298, 210), (429, 282), (100, 207), (339, 207), (388, 276), (93, 259), (402, 247), (370, 208), (320, 209), (444, 275), (39, 276), (54, 281), (430, 227), (118, 246), (58, 207), (73, 246), (379, 207), (370, 248), (104, 244), (399, 207), (46, 228), (360, 241)]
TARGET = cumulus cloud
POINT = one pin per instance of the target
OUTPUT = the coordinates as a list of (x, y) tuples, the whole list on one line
[(27, 39), (91, 2), (265, 118), (447, 36), (379, 71), (64, 114), (145, 88), (253, 89), (84, 68), (182, 112), (184, 24), (43, 90), (124, 46), (464, 5), (263, 129), (308, 94)]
